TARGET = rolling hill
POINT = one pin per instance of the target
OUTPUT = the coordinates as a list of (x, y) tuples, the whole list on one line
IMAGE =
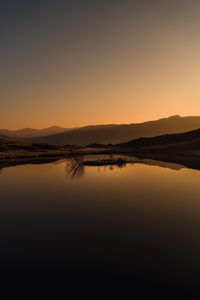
[(183, 143), (114, 134), (181, 148), (8, 144), (31, 133)]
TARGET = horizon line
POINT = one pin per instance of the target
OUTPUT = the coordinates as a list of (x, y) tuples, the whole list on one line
[(99, 124)]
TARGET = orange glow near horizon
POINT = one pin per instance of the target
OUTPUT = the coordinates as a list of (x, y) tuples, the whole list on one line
[(111, 63)]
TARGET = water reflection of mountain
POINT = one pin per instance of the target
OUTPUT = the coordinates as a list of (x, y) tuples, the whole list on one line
[(75, 166), (162, 164)]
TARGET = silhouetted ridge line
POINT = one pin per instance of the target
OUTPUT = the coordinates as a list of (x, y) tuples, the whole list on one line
[(182, 143), (114, 134)]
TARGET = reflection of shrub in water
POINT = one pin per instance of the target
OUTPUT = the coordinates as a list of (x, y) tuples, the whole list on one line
[(118, 165), (106, 162), (74, 167)]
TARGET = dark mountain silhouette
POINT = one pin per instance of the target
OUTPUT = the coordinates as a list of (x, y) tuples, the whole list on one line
[(8, 144), (182, 148), (31, 133), (183, 143), (114, 134)]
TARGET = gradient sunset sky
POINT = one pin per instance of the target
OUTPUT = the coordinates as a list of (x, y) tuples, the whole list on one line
[(80, 62)]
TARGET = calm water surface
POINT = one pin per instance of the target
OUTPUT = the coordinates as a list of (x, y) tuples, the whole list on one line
[(142, 220)]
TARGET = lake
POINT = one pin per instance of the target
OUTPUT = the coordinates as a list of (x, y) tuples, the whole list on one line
[(141, 220)]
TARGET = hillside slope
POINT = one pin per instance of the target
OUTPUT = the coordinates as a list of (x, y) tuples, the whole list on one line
[(114, 134), (182, 143), (8, 144), (31, 133)]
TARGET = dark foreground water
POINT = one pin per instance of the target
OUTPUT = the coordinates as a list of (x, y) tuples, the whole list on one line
[(141, 221)]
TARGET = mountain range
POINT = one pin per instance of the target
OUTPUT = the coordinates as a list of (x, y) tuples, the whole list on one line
[(179, 143), (106, 134), (180, 148), (31, 133)]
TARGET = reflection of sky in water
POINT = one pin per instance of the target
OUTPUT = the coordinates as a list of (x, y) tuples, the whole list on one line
[(140, 215)]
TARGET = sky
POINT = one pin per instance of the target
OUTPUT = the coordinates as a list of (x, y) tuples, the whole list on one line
[(78, 62)]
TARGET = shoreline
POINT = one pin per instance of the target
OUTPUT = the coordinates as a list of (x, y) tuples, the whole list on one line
[(14, 158)]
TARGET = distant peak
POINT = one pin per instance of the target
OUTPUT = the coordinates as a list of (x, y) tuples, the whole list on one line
[(175, 117), (53, 127)]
